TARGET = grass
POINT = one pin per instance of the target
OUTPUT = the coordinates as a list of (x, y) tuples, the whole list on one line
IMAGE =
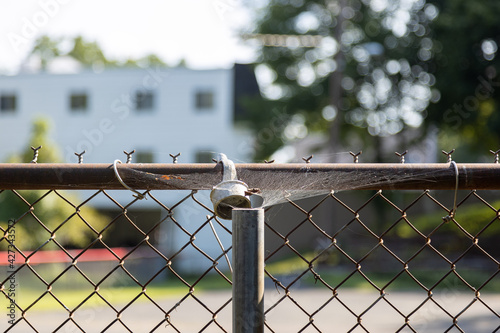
[(116, 295), (286, 270), (335, 276), (472, 217), (72, 298)]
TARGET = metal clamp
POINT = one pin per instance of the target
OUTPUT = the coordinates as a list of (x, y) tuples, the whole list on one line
[(230, 193)]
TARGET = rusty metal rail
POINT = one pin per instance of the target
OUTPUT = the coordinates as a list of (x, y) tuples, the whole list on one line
[(366, 176)]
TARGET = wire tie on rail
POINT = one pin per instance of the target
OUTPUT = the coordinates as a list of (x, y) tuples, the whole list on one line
[(450, 216), (138, 194)]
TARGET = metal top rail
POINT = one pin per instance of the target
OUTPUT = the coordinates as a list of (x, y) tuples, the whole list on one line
[(308, 176)]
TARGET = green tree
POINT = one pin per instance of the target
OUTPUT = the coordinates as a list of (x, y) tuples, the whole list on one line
[(49, 153), (150, 60), (88, 53), (465, 64), (367, 76), (46, 49), (39, 214)]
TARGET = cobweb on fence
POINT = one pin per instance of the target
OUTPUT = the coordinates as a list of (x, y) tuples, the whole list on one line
[(279, 183), (295, 184)]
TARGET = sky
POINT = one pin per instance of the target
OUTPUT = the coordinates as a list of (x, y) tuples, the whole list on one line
[(203, 32)]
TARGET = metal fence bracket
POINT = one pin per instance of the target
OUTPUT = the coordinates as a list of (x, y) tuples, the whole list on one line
[(230, 193)]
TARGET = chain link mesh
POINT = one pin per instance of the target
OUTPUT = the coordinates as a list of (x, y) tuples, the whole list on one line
[(86, 298), (358, 261), (419, 272)]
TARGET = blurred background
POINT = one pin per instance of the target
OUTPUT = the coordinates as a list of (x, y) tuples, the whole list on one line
[(257, 80), (267, 79)]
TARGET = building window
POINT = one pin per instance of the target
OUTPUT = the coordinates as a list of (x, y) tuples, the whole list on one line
[(204, 156), (144, 100), (78, 102), (8, 103), (144, 157), (204, 100)]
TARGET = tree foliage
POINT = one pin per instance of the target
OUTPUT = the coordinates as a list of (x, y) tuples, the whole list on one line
[(49, 153), (88, 53), (381, 50), (46, 49), (465, 64), (38, 214), (404, 64)]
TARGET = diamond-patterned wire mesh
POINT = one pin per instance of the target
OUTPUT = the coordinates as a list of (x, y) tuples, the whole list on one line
[(358, 261), (135, 288), (415, 268)]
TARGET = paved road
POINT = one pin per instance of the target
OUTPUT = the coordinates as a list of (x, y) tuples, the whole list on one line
[(190, 316)]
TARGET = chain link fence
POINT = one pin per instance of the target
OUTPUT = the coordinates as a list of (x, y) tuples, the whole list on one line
[(348, 248)]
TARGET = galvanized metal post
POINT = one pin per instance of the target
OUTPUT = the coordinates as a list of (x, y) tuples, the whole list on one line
[(248, 270)]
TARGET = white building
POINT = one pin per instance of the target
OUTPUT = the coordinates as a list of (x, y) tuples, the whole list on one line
[(156, 111)]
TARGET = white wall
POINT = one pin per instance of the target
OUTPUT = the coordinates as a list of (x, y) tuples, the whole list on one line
[(111, 125)]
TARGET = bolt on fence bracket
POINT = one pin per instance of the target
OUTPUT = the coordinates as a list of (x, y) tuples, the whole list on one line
[(230, 193)]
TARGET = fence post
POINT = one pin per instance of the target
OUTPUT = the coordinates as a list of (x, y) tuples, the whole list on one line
[(248, 270)]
